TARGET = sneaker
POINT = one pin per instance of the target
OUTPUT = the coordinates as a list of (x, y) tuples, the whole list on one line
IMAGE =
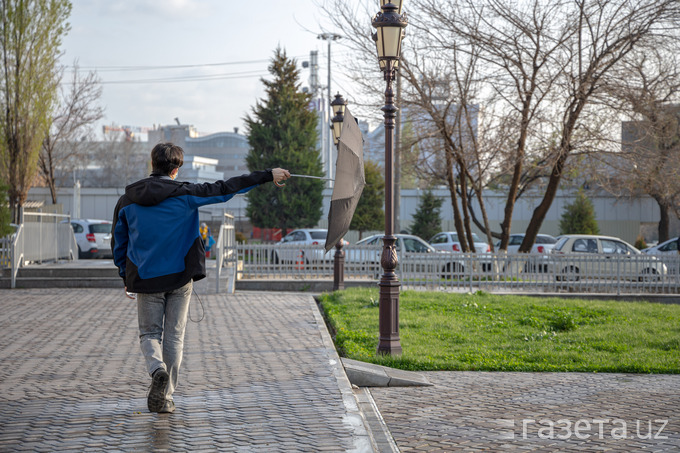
[(168, 407), (159, 383)]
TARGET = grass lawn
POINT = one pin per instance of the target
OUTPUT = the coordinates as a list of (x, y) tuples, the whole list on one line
[(444, 331)]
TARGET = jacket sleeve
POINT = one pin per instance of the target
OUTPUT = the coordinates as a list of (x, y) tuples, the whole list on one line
[(221, 191), (119, 240)]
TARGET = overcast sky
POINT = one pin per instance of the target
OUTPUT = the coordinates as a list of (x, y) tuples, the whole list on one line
[(231, 41)]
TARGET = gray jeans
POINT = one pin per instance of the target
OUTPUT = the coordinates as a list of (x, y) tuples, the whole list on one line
[(162, 321)]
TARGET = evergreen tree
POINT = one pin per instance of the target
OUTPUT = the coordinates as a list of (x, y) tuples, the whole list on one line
[(427, 219), (579, 217), (282, 133), (369, 214)]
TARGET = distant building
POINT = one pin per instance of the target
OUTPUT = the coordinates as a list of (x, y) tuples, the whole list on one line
[(228, 148), (198, 170)]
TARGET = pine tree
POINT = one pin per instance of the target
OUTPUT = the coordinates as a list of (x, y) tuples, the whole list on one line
[(579, 217), (369, 214), (282, 133), (427, 219)]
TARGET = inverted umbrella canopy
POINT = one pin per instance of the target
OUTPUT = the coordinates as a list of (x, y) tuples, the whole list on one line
[(349, 180)]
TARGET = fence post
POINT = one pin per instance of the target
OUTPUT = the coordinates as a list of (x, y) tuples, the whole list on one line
[(339, 267), (219, 249)]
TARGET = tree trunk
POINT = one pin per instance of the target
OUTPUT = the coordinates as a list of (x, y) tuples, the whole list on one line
[(466, 211), (555, 176), (506, 225), (664, 221), (451, 181)]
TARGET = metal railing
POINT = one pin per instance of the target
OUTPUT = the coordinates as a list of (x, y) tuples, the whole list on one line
[(586, 273), (225, 253), (6, 250), (17, 256), (42, 237)]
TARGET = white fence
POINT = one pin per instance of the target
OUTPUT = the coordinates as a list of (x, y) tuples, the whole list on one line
[(41, 237), (225, 253), (583, 273)]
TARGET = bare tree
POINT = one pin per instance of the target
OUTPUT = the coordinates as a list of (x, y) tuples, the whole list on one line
[(442, 116), (121, 160), (71, 125), (605, 32), (535, 69), (519, 46), (30, 36), (646, 89)]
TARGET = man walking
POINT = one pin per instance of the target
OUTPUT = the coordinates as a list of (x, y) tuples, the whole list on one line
[(159, 254)]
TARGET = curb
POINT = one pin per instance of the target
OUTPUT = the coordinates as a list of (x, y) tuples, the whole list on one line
[(364, 439), (364, 374)]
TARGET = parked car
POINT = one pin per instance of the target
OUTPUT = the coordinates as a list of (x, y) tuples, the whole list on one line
[(304, 245), (369, 249), (447, 241), (543, 244), (589, 256), (669, 247), (93, 238), (414, 253), (667, 252)]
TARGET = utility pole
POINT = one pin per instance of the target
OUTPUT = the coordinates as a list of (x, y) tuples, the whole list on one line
[(328, 144), (319, 105)]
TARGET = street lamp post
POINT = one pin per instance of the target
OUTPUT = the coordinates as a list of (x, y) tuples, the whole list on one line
[(390, 24), (338, 106)]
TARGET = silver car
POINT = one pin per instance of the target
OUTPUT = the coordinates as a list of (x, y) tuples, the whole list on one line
[(667, 252), (369, 250), (301, 246), (447, 241), (578, 256)]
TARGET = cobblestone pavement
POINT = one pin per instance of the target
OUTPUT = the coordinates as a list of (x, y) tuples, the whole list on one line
[(481, 411), (258, 375)]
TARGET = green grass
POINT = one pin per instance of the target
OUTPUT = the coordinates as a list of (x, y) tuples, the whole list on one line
[(443, 331)]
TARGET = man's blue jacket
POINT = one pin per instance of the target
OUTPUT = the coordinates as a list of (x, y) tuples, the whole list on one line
[(155, 240)]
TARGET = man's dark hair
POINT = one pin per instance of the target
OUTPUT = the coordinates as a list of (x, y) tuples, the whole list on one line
[(165, 157)]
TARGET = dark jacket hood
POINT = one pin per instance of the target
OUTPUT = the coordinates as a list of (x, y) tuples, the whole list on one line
[(152, 190)]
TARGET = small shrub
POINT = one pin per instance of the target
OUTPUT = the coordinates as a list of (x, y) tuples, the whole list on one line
[(563, 323), (640, 243)]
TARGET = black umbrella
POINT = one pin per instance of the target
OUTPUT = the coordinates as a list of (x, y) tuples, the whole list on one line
[(349, 180)]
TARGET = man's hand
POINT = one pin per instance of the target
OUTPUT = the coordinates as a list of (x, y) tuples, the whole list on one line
[(279, 175), (132, 296)]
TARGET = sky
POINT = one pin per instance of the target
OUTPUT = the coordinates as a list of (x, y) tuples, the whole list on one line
[(146, 51)]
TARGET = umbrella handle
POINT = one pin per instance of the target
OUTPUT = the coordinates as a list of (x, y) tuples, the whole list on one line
[(279, 185)]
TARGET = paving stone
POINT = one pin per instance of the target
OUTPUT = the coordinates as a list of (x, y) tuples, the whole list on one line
[(481, 411), (256, 376)]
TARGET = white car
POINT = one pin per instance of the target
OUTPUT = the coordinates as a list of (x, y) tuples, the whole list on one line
[(669, 247), (93, 238), (369, 249), (590, 256), (303, 246), (543, 244), (667, 252), (447, 241), (406, 242)]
